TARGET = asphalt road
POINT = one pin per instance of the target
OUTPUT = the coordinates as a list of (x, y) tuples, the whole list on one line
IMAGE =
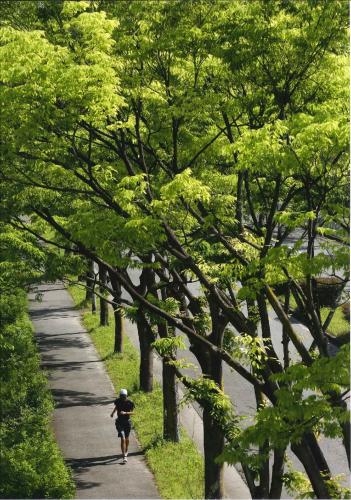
[(84, 397)]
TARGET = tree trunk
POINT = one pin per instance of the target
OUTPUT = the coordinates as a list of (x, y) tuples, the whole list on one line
[(285, 340), (250, 478), (117, 309), (90, 293), (262, 490), (146, 353), (213, 446), (306, 457), (211, 365), (90, 281), (345, 426), (213, 436), (103, 303), (170, 403), (277, 474), (170, 391), (93, 304), (321, 462), (346, 439), (119, 329)]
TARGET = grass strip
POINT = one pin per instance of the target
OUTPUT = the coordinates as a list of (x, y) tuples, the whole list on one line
[(178, 467), (339, 325)]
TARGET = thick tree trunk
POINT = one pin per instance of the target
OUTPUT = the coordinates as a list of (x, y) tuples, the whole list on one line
[(345, 426), (119, 319), (212, 366), (285, 340), (250, 479), (262, 490), (170, 403), (93, 304), (315, 475), (146, 354), (213, 435), (90, 281), (170, 392), (346, 439), (119, 329), (277, 474), (103, 303), (213, 446), (90, 293)]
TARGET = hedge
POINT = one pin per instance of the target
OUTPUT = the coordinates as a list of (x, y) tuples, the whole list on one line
[(31, 464), (328, 290)]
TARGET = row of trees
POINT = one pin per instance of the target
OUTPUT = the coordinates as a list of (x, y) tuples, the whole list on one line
[(199, 142)]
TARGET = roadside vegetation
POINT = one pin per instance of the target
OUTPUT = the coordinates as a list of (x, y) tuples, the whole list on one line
[(31, 463), (177, 467)]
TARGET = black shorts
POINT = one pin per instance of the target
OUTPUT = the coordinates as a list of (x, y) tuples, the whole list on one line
[(123, 428)]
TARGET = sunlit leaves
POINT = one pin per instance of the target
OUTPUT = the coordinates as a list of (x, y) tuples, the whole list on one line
[(69, 9), (185, 186), (264, 148), (168, 346), (249, 350)]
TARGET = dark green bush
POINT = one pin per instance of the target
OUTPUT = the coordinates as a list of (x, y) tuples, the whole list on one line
[(280, 288), (31, 464), (328, 290)]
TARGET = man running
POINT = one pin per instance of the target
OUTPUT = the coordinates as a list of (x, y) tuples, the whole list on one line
[(124, 408)]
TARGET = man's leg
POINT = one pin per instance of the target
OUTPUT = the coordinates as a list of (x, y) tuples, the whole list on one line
[(127, 432), (126, 445), (123, 445)]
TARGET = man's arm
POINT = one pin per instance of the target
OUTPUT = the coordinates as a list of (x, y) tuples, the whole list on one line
[(114, 411), (131, 412)]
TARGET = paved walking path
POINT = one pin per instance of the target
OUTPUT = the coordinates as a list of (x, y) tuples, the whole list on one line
[(84, 395)]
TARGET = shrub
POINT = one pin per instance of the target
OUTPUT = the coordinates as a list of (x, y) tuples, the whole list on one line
[(328, 290), (31, 464)]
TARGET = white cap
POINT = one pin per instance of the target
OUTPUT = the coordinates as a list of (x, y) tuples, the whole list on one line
[(123, 392)]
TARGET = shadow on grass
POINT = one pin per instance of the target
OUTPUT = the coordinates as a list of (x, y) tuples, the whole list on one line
[(117, 355), (84, 305), (155, 442), (112, 355)]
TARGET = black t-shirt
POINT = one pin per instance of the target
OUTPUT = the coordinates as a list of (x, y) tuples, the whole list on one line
[(123, 405)]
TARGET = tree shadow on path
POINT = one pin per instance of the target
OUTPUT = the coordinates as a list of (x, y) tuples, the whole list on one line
[(83, 463), (65, 398)]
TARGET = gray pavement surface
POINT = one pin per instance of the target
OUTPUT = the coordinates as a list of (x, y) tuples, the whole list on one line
[(84, 397)]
